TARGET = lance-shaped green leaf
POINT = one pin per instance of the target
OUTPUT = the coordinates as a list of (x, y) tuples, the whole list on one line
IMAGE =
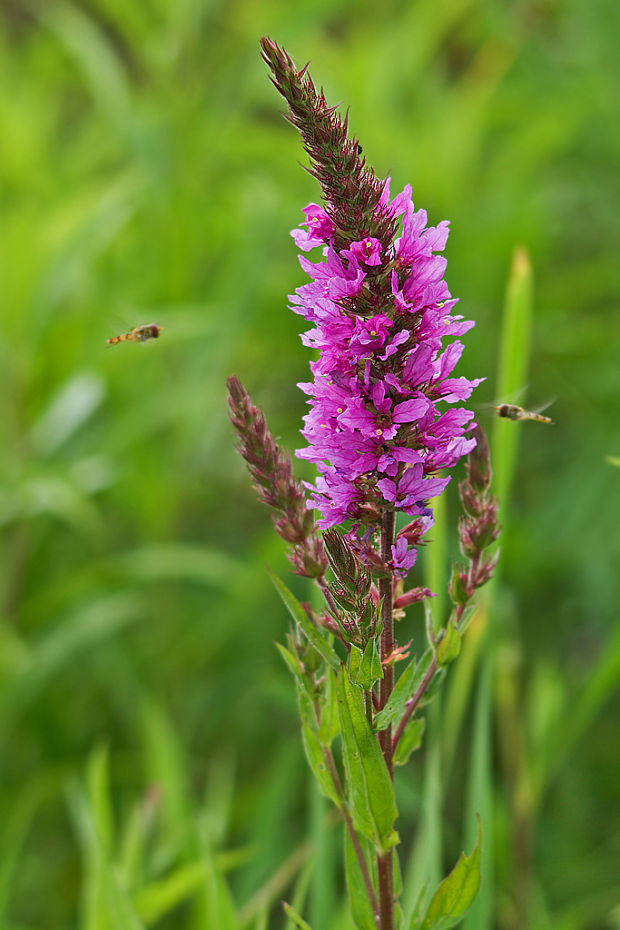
[(450, 644), (306, 705), (456, 893), (308, 628), (354, 662), (316, 760), (371, 792), (458, 589), (410, 740), (370, 669), (293, 662), (298, 921), (419, 908), (404, 689), (330, 724), (359, 901)]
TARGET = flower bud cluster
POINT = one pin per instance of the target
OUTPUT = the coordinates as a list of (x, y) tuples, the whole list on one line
[(352, 590), (379, 310), (273, 479), (478, 528)]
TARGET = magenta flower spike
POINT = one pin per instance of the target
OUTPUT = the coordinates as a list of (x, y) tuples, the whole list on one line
[(380, 424)]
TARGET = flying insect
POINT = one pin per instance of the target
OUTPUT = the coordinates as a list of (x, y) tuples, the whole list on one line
[(138, 334), (514, 412)]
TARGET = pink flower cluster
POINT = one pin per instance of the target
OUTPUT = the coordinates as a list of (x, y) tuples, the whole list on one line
[(374, 428)]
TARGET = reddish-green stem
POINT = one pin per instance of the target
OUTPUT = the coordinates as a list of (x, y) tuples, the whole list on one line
[(344, 810), (385, 866), (415, 699)]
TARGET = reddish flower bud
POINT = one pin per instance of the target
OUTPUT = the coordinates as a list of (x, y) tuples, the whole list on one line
[(460, 589), (478, 463), (412, 597), (273, 478), (473, 503), (486, 569)]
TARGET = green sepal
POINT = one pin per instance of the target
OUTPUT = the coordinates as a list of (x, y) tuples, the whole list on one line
[(404, 689), (370, 669), (410, 740), (348, 635), (355, 662), (342, 597), (312, 660), (305, 702), (458, 593), (368, 615), (371, 793), (359, 902), (330, 724), (316, 760), (456, 893), (449, 646), (343, 563), (293, 662), (312, 634), (297, 919)]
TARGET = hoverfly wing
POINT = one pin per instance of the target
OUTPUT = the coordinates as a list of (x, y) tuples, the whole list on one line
[(544, 406)]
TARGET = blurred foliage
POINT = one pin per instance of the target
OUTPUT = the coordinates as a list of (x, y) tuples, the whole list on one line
[(147, 176)]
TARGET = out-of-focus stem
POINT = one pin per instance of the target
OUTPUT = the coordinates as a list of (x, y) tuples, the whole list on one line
[(346, 815), (415, 699), (385, 866)]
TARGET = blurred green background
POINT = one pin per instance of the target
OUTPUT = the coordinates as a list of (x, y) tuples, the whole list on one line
[(150, 752)]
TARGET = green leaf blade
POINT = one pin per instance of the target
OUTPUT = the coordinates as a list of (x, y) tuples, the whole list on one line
[(404, 689), (359, 903), (300, 617), (370, 787), (410, 740), (456, 893), (296, 918), (316, 760)]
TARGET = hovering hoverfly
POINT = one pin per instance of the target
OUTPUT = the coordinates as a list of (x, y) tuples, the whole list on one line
[(514, 412), (137, 334)]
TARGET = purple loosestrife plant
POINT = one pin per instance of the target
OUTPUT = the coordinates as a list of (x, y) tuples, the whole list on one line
[(384, 420)]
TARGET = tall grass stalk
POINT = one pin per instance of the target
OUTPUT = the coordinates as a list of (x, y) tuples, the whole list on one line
[(426, 857), (513, 361)]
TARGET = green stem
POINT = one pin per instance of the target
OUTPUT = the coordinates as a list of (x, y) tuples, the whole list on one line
[(415, 699), (346, 816)]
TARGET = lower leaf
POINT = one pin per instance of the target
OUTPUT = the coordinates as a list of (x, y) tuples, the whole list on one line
[(456, 893)]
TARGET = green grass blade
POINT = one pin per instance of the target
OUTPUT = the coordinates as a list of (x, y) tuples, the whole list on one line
[(212, 901), (479, 796), (512, 375), (581, 710), (322, 892), (425, 862), (86, 629), (15, 829), (106, 903), (514, 354)]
